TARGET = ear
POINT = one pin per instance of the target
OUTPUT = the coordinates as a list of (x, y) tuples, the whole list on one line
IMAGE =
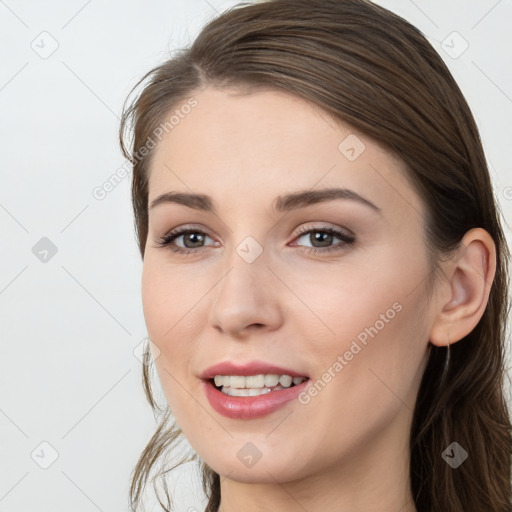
[(464, 290)]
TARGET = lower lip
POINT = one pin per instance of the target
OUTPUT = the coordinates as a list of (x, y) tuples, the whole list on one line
[(247, 407)]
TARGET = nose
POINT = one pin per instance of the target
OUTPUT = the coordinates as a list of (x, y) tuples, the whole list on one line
[(247, 298)]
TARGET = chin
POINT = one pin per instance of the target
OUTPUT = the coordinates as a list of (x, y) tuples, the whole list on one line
[(255, 475), (269, 469)]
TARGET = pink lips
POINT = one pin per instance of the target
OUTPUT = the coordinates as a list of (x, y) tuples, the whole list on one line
[(247, 407), (250, 368)]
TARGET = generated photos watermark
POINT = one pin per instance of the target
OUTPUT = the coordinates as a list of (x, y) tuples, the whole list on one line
[(100, 192), (357, 345)]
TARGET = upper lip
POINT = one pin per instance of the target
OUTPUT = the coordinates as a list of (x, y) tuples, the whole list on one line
[(248, 368)]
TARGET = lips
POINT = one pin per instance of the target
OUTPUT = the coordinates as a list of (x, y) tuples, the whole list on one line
[(249, 407)]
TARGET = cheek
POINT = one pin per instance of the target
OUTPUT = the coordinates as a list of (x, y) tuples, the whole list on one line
[(373, 363), (369, 333), (168, 297), (362, 297), (174, 319)]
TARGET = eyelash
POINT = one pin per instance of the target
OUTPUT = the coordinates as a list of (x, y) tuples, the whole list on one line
[(347, 240)]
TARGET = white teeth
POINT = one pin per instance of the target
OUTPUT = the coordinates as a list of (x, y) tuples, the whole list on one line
[(271, 380), (285, 381), (236, 381), (255, 381), (254, 385), (245, 392)]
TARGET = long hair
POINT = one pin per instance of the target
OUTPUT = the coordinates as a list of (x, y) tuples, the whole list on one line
[(371, 69)]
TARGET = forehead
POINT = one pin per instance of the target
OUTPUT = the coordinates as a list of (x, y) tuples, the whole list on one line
[(267, 142)]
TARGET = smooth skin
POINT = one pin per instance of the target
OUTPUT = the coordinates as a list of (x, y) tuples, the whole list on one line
[(347, 449)]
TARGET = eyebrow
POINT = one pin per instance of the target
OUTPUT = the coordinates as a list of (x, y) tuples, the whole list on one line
[(282, 203)]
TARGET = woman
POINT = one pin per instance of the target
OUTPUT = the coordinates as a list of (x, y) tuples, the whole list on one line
[(325, 271)]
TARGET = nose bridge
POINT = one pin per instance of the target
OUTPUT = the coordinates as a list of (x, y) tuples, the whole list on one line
[(245, 294)]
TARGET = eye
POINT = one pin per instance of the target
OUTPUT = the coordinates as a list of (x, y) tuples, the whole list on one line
[(193, 240), (321, 239)]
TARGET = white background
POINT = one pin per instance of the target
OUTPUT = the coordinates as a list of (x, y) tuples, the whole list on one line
[(68, 374)]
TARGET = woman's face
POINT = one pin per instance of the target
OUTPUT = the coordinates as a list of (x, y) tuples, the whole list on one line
[(259, 283)]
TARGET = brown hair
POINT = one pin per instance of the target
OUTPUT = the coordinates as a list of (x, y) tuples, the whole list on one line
[(373, 70)]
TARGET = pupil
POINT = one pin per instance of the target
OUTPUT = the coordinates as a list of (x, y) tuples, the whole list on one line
[(325, 238), (193, 235)]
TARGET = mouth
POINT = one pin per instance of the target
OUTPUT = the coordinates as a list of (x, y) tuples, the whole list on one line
[(251, 389), (246, 397), (254, 385)]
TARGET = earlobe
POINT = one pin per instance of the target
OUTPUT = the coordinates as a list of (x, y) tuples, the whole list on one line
[(465, 290)]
